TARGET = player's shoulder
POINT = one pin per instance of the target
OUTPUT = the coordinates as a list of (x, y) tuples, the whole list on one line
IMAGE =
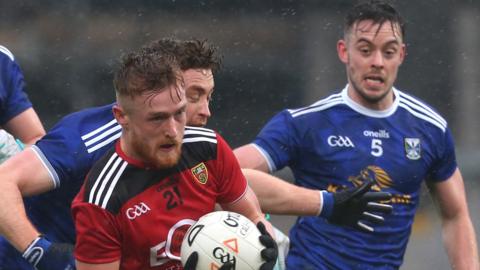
[(419, 109), (6, 53), (321, 105), (94, 127), (199, 135)]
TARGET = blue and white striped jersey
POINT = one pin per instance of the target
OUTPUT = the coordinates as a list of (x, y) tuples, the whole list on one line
[(68, 150), (13, 99), (329, 144)]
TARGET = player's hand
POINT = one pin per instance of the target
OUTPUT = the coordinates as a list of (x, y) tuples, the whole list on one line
[(8, 146), (191, 263), (270, 252), (355, 206), (45, 255)]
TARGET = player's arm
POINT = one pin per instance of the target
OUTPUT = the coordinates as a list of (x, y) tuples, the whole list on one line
[(21, 175), (280, 197), (248, 156), (25, 175), (458, 232), (26, 127), (106, 266), (351, 207)]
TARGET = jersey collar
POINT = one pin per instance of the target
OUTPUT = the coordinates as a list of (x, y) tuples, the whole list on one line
[(369, 112)]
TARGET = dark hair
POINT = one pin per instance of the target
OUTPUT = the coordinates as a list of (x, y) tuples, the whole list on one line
[(142, 71), (378, 11), (190, 54)]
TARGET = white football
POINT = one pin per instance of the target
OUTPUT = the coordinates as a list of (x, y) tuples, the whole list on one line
[(223, 236)]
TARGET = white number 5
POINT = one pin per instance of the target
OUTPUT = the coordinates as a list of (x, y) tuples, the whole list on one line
[(377, 149)]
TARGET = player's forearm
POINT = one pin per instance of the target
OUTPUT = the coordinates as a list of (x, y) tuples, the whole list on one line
[(14, 224), (280, 197), (460, 243)]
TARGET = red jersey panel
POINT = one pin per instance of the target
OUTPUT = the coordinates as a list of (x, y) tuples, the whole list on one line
[(139, 216)]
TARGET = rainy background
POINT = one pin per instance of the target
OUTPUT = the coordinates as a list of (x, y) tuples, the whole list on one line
[(277, 54)]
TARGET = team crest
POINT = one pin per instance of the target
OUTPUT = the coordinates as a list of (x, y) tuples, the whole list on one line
[(412, 148), (200, 173)]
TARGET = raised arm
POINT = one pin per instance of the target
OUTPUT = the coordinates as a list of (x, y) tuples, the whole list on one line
[(457, 229)]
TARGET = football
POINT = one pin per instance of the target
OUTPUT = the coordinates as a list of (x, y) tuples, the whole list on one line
[(223, 236)]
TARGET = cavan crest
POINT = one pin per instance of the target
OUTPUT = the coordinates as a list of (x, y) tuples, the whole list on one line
[(412, 148), (200, 173)]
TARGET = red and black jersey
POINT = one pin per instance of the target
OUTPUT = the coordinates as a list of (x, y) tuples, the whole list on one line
[(139, 216)]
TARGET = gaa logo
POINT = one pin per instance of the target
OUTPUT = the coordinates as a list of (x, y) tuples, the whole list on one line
[(223, 256), (339, 141), (137, 210)]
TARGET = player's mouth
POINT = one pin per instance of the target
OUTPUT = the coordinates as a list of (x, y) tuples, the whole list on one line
[(167, 147), (374, 81)]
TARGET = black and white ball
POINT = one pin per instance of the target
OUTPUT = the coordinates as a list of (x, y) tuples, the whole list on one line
[(223, 236)]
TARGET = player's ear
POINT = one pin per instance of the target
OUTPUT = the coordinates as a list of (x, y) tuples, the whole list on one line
[(120, 115), (342, 50)]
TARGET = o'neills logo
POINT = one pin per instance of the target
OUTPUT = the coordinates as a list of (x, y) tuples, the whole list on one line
[(200, 173), (382, 134)]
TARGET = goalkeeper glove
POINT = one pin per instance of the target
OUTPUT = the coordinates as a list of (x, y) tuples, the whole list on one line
[(45, 255), (8, 146), (353, 206), (270, 252)]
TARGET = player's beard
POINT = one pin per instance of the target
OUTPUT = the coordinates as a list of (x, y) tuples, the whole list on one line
[(155, 156)]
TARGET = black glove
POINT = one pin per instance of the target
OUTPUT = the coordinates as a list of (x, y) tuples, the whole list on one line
[(353, 206), (270, 252), (191, 263), (45, 255)]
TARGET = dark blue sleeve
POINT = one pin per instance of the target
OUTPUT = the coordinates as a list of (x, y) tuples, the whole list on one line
[(446, 163), (276, 140), (64, 153), (13, 99)]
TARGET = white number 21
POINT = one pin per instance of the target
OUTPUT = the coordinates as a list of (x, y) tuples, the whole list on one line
[(377, 149)]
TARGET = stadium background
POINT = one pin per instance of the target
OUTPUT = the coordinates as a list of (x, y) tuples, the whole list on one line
[(277, 54)]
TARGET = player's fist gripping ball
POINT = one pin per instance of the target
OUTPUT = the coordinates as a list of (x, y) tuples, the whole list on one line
[(221, 237)]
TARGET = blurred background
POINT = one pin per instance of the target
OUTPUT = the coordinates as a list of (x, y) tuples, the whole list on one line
[(277, 54)]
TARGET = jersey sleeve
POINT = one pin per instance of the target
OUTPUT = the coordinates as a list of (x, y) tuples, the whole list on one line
[(98, 236), (13, 99), (63, 152), (232, 183), (275, 141), (446, 163)]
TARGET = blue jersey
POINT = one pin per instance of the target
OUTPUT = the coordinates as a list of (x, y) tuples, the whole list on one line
[(68, 150), (330, 144), (13, 99)]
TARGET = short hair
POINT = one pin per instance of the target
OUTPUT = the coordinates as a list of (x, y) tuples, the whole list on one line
[(379, 11), (190, 54), (141, 72)]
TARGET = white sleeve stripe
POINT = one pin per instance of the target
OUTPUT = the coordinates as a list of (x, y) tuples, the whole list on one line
[(199, 128), (95, 185), (100, 145), (422, 116), (205, 133), (51, 171), (105, 181), (113, 184), (103, 135), (7, 52), (318, 103), (266, 156), (319, 108), (90, 134), (199, 139), (424, 110)]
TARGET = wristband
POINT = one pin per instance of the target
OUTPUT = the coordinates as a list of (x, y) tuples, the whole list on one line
[(34, 252), (327, 202)]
